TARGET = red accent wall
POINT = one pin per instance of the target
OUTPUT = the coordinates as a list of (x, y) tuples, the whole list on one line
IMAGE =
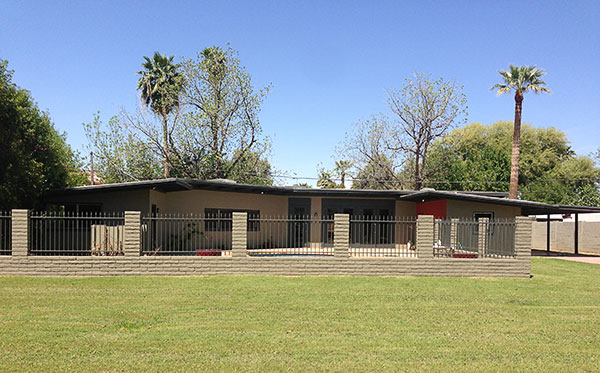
[(436, 208)]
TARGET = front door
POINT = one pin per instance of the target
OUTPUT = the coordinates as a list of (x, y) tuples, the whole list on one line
[(299, 221)]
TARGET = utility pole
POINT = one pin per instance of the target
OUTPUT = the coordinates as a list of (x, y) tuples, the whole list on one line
[(92, 168)]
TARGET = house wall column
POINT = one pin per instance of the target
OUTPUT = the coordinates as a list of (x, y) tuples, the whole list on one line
[(425, 226), (341, 235), (239, 234), (20, 232), (132, 243)]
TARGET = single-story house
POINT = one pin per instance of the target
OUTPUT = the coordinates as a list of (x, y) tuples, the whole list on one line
[(175, 195)]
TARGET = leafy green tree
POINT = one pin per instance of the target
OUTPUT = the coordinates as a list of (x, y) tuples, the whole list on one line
[(119, 155), (223, 112), (326, 180), (160, 85), (477, 157), (211, 131), (35, 156), (520, 79)]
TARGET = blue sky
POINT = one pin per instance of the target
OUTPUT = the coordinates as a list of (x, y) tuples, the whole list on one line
[(329, 62)]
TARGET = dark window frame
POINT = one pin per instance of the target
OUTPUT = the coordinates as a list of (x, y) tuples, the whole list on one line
[(220, 220)]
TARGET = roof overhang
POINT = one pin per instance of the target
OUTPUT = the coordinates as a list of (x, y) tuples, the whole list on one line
[(527, 207)]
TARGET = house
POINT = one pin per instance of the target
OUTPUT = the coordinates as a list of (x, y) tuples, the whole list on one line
[(225, 196), (301, 220)]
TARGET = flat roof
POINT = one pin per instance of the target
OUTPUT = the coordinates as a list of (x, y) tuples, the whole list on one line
[(176, 184)]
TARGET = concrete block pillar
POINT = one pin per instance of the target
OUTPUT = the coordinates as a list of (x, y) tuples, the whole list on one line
[(523, 241), (20, 232), (454, 232), (425, 225), (341, 235), (132, 242), (239, 234), (482, 235)]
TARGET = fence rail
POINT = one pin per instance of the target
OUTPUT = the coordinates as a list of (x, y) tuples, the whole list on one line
[(5, 233), (474, 238), (383, 236), (290, 235), (186, 234), (76, 234)]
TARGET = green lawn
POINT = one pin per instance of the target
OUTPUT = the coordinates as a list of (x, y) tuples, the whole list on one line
[(550, 322)]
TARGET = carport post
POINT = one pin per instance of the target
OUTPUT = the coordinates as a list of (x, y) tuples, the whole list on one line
[(576, 233), (548, 234)]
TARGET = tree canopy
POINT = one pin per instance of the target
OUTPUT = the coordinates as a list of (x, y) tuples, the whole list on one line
[(35, 156), (382, 147), (477, 157), (212, 132)]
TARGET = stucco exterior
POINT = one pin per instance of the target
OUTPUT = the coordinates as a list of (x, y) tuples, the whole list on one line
[(466, 209)]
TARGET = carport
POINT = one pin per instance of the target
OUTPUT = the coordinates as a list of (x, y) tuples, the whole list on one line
[(547, 209)]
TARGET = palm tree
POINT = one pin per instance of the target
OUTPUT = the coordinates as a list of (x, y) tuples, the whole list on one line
[(521, 79), (160, 84), (341, 167)]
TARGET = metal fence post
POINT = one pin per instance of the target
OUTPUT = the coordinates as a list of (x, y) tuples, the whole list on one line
[(341, 235), (20, 232), (239, 234), (425, 226), (132, 243), (482, 237)]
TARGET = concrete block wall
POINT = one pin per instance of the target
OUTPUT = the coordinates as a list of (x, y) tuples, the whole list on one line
[(562, 236), (239, 263)]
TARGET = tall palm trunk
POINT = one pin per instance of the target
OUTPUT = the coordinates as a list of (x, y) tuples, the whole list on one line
[(516, 147), (166, 146)]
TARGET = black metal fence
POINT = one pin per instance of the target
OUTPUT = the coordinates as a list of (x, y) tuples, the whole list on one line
[(383, 236), (290, 235), (462, 238), (76, 234), (186, 234), (5, 233)]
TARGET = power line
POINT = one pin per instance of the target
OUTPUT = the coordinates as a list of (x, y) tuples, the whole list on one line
[(281, 176)]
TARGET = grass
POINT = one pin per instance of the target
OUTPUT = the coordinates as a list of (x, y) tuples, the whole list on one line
[(256, 323)]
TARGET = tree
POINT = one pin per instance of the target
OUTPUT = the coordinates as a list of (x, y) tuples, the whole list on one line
[(119, 154), (326, 180), (212, 132), (341, 168), (35, 156), (477, 157), (160, 85), (375, 164), (521, 79), (378, 174), (424, 111), (224, 107)]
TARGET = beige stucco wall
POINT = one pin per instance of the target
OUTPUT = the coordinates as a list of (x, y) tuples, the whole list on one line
[(465, 209), (135, 200), (562, 236), (405, 208), (195, 201)]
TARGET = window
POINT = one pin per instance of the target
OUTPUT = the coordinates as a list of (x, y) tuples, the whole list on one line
[(483, 215), (219, 220)]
